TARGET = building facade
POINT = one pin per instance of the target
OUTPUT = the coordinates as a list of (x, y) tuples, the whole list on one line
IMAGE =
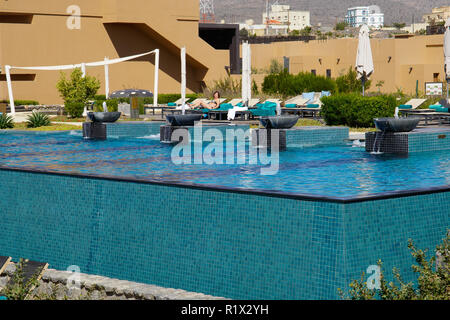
[(370, 15), (401, 63), (295, 20), (49, 33), (437, 15)]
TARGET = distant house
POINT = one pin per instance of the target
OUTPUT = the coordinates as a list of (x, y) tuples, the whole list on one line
[(282, 14), (437, 15), (370, 15)]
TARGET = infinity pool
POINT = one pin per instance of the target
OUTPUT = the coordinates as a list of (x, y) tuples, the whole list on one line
[(336, 171)]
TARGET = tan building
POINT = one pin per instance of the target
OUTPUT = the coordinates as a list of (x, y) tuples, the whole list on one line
[(437, 15), (398, 62), (45, 33)]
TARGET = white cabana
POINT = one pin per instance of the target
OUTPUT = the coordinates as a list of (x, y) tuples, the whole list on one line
[(246, 73), (364, 59), (447, 52), (105, 63)]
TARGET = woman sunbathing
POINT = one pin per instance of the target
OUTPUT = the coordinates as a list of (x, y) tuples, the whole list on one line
[(214, 104)]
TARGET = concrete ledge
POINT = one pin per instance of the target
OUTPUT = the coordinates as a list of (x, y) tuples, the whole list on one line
[(54, 284)]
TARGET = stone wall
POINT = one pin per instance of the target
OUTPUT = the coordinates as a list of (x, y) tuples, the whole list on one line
[(53, 285)]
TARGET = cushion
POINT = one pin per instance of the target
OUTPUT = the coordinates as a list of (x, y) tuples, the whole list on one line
[(172, 104), (225, 106), (313, 106), (291, 105), (435, 106), (308, 95), (441, 109), (405, 106)]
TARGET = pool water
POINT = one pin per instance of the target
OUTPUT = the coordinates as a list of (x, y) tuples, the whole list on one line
[(332, 171)]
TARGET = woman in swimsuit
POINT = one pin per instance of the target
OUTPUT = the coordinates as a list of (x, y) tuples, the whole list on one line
[(214, 104)]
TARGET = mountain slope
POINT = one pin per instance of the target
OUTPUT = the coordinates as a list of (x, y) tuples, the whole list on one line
[(327, 12)]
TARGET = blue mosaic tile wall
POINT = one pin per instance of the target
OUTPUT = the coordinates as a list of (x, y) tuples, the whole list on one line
[(433, 141), (133, 129), (234, 245), (316, 136)]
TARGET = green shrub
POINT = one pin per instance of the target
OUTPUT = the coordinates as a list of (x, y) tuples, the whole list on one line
[(77, 90), (22, 102), (6, 121), (38, 119), (74, 109), (349, 82), (112, 104), (286, 84), (355, 110)]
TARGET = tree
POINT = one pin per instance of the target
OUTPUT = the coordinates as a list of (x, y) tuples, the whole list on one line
[(76, 88), (243, 33), (433, 281), (340, 26), (349, 82), (275, 67), (295, 33), (399, 25), (380, 85), (306, 31)]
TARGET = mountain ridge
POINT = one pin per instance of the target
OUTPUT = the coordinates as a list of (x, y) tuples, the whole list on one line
[(327, 12)]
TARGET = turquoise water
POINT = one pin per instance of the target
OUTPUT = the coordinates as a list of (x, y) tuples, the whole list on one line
[(336, 171)]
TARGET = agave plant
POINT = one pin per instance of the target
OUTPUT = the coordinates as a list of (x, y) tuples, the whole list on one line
[(6, 122), (38, 119)]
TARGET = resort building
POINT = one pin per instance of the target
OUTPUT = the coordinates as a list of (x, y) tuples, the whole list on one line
[(49, 33), (437, 15), (402, 63), (282, 14), (370, 15)]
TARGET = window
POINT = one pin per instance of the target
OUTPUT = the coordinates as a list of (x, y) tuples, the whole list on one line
[(313, 71), (328, 73)]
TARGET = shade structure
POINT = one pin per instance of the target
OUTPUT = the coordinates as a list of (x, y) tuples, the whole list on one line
[(364, 59), (131, 93), (447, 52), (83, 66)]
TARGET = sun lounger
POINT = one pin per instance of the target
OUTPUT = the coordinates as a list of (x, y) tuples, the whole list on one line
[(3, 263), (277, 101), (295, 102), (177, 103), (234, 102), (412, 104)]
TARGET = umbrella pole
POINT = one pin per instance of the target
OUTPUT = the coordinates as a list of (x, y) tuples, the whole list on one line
[(363, 80)]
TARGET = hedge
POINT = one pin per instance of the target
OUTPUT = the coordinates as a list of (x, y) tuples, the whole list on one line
[(22, 102), (287, 84), (355, 110)]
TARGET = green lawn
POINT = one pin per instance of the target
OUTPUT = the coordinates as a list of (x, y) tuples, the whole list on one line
[(52, 127)]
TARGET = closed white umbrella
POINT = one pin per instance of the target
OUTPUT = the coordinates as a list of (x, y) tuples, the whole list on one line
[(364, 59), (183, 80), (447, 52)]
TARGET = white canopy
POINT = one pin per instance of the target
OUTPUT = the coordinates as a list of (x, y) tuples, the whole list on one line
[(447, 48), (364, 60), (83, 66)]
